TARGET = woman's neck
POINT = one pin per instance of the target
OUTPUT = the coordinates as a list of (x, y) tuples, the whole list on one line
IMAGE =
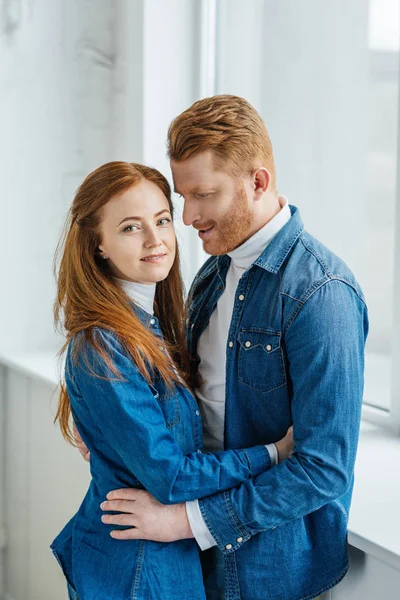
[(140, 293)]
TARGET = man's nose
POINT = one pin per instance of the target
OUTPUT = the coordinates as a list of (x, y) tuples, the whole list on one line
[(190, 213)]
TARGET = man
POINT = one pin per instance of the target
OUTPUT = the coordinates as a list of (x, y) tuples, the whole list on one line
[(276, 332)]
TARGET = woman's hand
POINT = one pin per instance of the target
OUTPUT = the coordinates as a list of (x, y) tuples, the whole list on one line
[(285, 445)]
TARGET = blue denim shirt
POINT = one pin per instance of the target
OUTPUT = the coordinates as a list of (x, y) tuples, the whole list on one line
[(141, 436), (295, 355)]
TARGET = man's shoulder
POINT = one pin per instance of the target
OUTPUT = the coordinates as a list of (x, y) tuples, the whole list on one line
[(310, 265)]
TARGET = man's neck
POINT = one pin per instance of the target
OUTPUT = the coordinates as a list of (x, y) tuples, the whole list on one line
[(271, 208)]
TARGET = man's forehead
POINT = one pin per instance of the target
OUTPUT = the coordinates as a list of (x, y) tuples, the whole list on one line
[(195, 171)]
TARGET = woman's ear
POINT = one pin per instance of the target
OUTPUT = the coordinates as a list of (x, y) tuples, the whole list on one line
[(101, 253)]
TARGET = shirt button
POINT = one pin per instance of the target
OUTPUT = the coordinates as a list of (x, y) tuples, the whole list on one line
[(230, 344), (248, 344), (152, 321), (197, 413), (199, 450), (239, 540), (228, 546), (269, 348), (241, 297)]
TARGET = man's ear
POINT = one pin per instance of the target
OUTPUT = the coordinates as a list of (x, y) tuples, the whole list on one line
[(261, 181)]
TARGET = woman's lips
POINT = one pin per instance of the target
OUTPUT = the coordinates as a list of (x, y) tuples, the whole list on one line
[(155, 258), (205, 233)]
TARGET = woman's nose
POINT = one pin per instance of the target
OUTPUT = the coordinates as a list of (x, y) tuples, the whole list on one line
[(152, 238)]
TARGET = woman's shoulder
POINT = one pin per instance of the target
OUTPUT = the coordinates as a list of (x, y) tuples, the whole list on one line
[(93, 351)]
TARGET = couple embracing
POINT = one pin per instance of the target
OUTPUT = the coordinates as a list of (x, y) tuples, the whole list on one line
[(222, 432)]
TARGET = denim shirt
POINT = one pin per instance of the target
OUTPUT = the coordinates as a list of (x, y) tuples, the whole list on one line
[(294, 355), (139, 435)]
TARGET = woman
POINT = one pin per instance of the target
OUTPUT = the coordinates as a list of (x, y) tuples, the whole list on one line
[(121, 302)]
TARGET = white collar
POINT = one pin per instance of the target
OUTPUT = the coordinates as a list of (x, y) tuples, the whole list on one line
[(141, 294), (247, 253)]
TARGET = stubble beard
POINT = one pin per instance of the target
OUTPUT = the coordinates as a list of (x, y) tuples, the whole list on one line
[(233, 228)]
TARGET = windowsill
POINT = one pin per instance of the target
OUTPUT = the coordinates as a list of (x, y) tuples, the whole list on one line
[(374, 524)]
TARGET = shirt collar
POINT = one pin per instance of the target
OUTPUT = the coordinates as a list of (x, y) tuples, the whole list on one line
[(247, 253), (272, 258)]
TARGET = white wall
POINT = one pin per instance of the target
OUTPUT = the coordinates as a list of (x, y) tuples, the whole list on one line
[(55, 67)]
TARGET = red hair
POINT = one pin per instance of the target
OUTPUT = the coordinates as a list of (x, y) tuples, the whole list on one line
[(230, 127), (89, 297)]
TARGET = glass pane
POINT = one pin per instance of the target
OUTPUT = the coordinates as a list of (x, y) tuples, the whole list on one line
[(324, 76)]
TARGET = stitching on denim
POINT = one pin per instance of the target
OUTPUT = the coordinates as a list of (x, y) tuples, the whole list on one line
[(210, 526), (312, 251), (311, 291), (329, 586), (342, 508), (261, 392), (274, 269), (289, 296), (283, 372), (235, 518), (207, 271), (138, 570), (232, 588)]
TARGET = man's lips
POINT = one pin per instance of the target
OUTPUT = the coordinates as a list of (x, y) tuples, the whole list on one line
[(153, 258), (205, 233)]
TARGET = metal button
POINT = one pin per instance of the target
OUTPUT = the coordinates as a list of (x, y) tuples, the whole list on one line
[(152, 321), (248, 344), (269, 348), (197, 413), (241, 297), (230, 344), (228, 546), (199, 451), (239, 540)]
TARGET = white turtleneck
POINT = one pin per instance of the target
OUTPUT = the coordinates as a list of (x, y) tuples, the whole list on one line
[(212, 352), (142, 294)]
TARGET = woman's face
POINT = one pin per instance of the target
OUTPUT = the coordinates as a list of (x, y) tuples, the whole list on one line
[(138, 237)]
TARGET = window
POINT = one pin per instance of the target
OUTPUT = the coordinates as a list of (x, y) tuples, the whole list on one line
[(325, 78)]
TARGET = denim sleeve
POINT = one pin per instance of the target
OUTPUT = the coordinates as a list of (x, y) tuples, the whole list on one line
[(324, 342), (131, 420)]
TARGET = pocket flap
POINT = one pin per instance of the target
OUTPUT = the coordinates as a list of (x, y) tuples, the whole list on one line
[(251, 338)]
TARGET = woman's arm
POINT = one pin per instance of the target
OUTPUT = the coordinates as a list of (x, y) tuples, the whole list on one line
[(132, 422)]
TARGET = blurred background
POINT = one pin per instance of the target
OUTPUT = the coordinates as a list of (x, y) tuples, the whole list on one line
[(83, 82)]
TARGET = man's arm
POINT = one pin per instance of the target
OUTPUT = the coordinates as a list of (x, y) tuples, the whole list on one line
[(325, 350)]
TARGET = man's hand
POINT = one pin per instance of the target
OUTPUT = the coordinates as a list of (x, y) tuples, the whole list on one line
[(149, 519), (80, 444)]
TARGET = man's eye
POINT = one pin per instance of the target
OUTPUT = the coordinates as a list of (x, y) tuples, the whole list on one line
[(204, 195), (164, 221), (130, 228)]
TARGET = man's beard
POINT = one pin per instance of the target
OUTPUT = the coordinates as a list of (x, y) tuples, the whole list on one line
[(233, 228)]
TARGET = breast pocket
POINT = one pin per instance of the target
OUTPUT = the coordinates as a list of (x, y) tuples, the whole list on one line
[(261, 364), (169, 404)]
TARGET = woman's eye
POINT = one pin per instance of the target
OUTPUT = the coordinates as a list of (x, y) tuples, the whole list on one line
[(130, 228), (164, 221)]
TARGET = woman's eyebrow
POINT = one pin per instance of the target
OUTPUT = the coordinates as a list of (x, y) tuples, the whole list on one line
[(139, 218)]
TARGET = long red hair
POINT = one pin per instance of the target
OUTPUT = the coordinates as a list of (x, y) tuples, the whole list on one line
[(88, 296)]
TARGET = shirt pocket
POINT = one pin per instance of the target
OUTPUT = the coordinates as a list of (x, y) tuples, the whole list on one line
[(169, 404), (261, 364)]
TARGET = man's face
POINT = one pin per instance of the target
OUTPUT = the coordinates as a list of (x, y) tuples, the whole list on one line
[(216, 203)]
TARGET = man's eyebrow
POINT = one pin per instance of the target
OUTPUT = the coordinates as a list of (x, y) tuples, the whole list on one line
[(139, 218)]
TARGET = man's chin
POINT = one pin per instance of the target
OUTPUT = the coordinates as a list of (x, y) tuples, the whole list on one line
[(215, 249)]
